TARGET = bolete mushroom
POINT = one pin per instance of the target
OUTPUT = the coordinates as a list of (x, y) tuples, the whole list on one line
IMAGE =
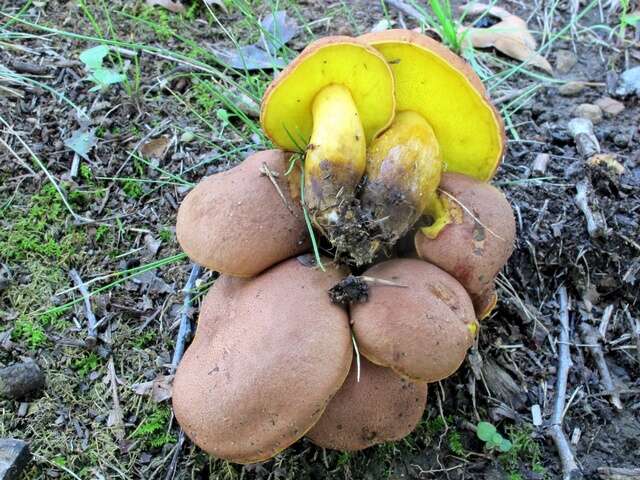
[(380, 407), (246, 219), (268, 355), (333, 99), (444, 116), (477, 243), (422, 328)]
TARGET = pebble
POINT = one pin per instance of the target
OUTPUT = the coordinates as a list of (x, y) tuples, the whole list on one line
[(589, 111), (565, 61), (621, 140), (572, 88), (14, 457), (609, 106)]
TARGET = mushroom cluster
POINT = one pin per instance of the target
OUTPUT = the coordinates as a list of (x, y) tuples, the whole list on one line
[(380, 138)]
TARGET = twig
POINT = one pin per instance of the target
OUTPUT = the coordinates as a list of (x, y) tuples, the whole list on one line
[(596, 225), (570, 469), (590, 338), (185, 325), (407, 9), (92, 330), (264, 170), (614, 473), (183, 333), (115, 417), (381, 282), (171, 471)]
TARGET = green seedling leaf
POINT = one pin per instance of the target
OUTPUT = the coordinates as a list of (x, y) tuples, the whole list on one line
[(223, 116), (104, 77), (496, 439), (82, 141), (485, 431), (93, 57), (505, 446)]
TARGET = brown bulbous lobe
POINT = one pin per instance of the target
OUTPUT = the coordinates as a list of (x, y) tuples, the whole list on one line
[(421, 328), (479, 240), (381, 407), (238, 223), (268, 355)]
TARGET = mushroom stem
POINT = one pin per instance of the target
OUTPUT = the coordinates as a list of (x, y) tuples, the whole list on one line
[(403, 173), (336, 155)]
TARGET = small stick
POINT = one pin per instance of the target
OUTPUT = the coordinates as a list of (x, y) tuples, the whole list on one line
[(183, 332), (92, 330), (407, 9), (116, 417), (381, 281), (540, 163), (596, 225), (185, 325), (615, 473), (264, 170), (570, 469), (590, 338)]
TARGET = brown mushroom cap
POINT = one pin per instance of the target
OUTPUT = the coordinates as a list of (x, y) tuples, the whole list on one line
[(236, 222), (381, 407), (268, 355), (478, 242), (422, 331)]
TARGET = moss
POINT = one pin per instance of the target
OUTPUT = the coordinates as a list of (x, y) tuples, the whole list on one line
[(525, 453), (153, 430)]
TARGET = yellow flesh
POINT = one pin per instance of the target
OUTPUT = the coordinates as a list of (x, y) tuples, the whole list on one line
[(287, 110), (464, 124), (335, 159), (407, 157)]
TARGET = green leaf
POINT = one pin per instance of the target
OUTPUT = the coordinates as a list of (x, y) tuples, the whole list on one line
[(81, 141), (632, 19), (496, 439), (93, 57), (104, 77), (485, 431), (505, 446)]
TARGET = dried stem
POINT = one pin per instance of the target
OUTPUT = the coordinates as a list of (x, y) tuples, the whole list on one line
[(570, 469), (590, 338), (92, 329), (596, 225), (184, 332)]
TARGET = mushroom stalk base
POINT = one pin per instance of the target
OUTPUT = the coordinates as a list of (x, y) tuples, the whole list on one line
[(336, 155), (403, 173)]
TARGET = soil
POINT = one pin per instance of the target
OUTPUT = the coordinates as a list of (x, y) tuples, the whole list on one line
[(105, 412)]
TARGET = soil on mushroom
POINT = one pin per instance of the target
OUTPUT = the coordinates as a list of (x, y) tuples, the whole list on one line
[(75, 425)]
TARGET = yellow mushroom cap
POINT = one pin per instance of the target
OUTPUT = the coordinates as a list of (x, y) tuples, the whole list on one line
[(285, 113), (444, 89)]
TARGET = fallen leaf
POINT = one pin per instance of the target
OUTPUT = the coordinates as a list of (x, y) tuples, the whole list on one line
[(171, 5), (510, 35), (607, 160), (162, 388), (277, 30), (219, 3), (159, 388), (156, 147), (82, 141)]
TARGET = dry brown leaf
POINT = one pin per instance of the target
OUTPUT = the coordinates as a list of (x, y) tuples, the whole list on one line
[(156, 147), (509, 36), (171, 5), (219, 3)]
